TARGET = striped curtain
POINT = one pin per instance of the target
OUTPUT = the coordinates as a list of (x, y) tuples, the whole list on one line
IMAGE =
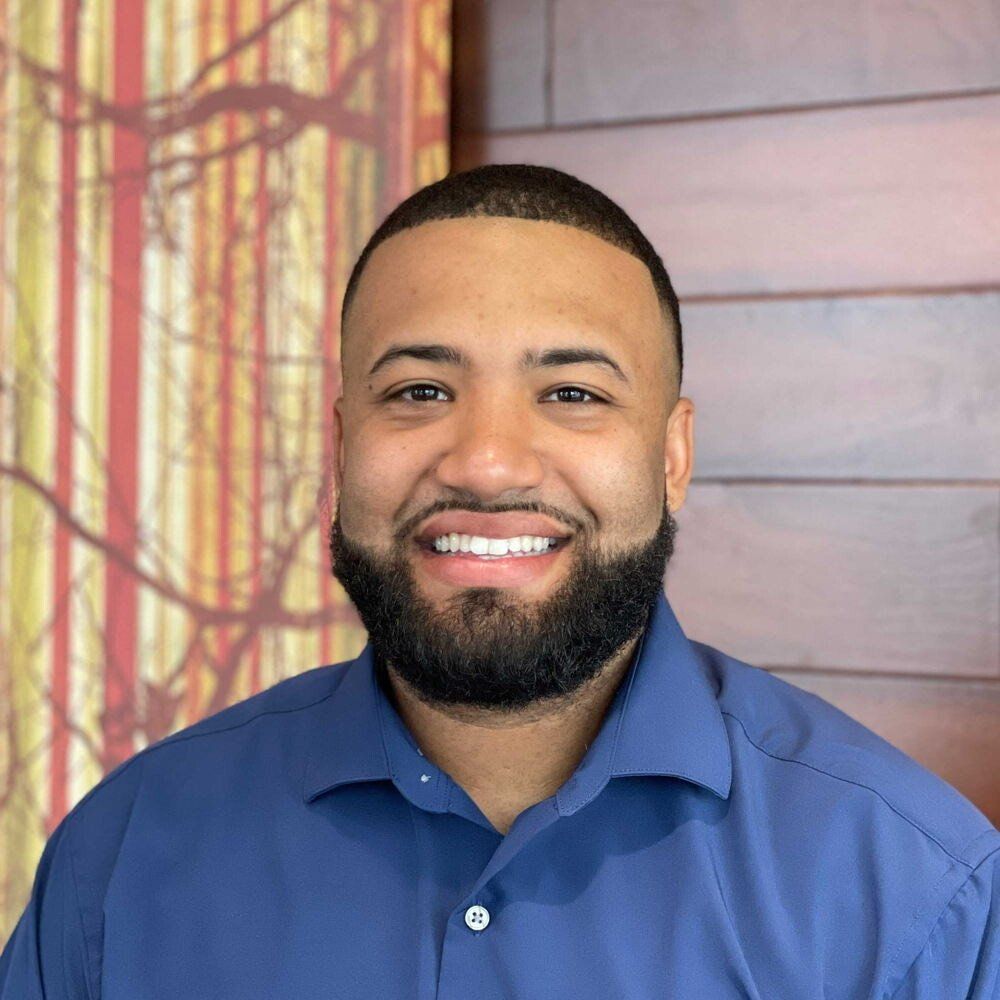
[(184, 186)]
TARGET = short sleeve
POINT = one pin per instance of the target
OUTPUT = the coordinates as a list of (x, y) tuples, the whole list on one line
[(961, 959), (46, 958)]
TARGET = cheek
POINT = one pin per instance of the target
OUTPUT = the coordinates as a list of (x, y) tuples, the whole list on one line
[(378, 477), (620, 486)]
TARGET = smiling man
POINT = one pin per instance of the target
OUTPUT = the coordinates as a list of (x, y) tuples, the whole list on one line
[(511, 441), (530, 783)]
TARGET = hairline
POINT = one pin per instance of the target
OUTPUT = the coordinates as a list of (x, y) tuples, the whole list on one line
[(669, 328)]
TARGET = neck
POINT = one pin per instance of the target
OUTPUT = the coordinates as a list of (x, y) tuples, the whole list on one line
[(507, 762)]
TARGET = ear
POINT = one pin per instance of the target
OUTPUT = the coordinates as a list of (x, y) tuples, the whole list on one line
[(338, 443), (678, 455)]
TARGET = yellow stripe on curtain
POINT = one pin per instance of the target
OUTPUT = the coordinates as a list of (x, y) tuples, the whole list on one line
[(184, 186)]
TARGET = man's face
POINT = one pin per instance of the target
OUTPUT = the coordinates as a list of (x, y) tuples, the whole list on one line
[(492, 436)]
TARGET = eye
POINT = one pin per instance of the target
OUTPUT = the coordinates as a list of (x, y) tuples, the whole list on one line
[(576, 389), (420, 387)]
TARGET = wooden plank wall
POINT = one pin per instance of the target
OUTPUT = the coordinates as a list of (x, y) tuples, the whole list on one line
[(822, 181)]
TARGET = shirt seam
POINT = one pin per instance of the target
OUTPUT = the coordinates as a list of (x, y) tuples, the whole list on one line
[(850, 781), (139, 756), (177, 738), (934, 927)]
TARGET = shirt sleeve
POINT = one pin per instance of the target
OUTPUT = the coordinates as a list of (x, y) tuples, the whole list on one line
[(46, 956), (961, 959)]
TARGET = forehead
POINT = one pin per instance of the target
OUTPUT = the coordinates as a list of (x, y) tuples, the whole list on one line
[(474, 278)]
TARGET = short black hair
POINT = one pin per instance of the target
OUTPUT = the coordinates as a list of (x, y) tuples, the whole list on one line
[(527, 191)]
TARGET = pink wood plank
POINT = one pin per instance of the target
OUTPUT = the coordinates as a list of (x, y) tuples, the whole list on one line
[(894, 196), (879, 386), (890, 579), (614, 61)]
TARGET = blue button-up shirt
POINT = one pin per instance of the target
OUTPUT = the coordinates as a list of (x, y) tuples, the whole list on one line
[(726, 835)]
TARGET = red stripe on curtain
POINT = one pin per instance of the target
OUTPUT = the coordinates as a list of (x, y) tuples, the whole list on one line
[(129, 178)]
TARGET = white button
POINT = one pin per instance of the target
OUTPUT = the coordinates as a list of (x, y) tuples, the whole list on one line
[(425, 778), (419, 751), (477, 917)]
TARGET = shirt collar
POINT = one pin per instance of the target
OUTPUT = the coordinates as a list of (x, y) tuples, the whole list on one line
[(663, 721)]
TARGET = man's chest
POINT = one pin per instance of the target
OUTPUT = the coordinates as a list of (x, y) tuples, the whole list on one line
[(436, 908)]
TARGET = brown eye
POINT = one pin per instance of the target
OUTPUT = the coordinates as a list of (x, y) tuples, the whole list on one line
[(575, 389), (419, 390)]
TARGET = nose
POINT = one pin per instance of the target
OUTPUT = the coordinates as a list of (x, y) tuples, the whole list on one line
[(493, 449)]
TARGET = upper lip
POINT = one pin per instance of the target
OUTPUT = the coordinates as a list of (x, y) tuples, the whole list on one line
[(506, 525)]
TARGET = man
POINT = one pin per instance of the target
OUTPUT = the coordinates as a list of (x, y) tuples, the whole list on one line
[(531, 783)]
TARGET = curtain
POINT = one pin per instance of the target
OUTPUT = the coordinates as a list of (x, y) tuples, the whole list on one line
[(184, 187)]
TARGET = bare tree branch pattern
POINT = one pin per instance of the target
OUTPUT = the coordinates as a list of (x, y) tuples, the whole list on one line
[(184, 187)]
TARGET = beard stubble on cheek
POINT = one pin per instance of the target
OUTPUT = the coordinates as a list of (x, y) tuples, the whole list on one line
[(486, 646)]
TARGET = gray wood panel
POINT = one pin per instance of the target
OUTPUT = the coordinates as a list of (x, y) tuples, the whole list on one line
[(499, 64), (952, 728), (881, 387), (891, 579), (620, 60), (883, 599), (877, 197)]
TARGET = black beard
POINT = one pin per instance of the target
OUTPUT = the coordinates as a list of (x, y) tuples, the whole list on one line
[(487, 648)]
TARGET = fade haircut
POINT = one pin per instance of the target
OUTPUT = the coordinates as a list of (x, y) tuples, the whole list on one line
[(528, 191)]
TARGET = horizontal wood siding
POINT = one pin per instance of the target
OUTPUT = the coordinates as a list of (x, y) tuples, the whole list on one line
[(614, 61), (875, 198), (822, 181), (900, 387), (892, 579)]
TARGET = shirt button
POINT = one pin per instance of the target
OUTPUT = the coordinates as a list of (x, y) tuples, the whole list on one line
[(477, 917), (425, 778)]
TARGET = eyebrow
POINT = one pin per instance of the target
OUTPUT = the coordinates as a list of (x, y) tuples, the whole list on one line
[(554, 357), (551, 358)]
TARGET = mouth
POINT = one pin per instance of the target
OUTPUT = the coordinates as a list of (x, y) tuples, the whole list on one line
[(502, 550), (481, 547)]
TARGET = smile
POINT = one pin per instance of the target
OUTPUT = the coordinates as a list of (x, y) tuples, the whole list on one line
[(520, 546), (475, 560)]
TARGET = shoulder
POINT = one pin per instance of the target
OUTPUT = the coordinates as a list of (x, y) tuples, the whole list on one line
[(785, 724), (60, 934), (904, 858), (213, 745)]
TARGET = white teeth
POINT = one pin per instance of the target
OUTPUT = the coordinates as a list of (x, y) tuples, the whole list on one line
[(481, 546)]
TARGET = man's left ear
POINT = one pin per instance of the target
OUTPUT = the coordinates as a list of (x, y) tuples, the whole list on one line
[(679, 452)]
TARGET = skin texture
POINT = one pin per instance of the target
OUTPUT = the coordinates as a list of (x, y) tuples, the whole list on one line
[(494, 438)]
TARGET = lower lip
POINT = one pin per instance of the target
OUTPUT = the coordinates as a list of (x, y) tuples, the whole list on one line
[(467, 570)]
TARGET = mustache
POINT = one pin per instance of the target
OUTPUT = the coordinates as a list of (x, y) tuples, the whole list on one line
[(473, 505)]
